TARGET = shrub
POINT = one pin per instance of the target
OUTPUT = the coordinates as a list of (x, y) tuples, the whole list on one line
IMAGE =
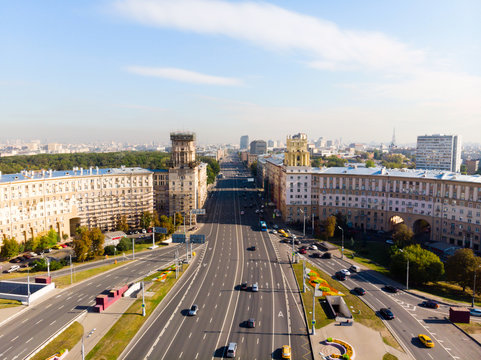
[(109, 250), (124, 244)]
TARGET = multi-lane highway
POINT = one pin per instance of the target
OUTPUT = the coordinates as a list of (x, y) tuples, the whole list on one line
[(215, 286), (23, 334), (410, 318)]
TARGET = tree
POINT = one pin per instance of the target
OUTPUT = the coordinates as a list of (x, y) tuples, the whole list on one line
[(254, 168), (424, 265), (179, 219), (98, 240), (82, 243), (124, 244), (370, 163), (316, 162), (109, 250), (10, 248), (122, 224), (329, 226), (146, 220), (460, 267), (166, 222), (155, 218), (403, 235), (334, 161)]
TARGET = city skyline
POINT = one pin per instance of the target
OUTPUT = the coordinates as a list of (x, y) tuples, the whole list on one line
[(133, 71)]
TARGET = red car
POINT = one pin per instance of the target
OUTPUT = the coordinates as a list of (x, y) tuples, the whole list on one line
[(303, 251), (63, 245)]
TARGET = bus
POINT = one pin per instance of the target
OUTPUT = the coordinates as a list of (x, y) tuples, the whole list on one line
[(263, 226)]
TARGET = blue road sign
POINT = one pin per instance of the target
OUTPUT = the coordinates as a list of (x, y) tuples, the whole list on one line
[(160, 230), (178, 238), (198, 211), (197, 239)]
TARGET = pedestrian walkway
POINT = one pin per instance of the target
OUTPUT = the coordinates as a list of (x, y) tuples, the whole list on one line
[(367, 343)]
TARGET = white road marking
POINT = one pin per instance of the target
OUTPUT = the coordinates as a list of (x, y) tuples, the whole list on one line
[(26, 342), (53, 322)]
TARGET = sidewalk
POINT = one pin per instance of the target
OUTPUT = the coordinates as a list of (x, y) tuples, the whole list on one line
[(367, 343)]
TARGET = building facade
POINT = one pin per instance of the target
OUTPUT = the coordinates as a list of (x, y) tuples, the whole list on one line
[(439, 152), (258, 147), (33, 202), (297, 153), (244, 142)]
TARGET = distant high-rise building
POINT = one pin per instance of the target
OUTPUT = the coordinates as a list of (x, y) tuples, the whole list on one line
[(244, 142), (270, 143), (258, 147), (297, 153), (472, 166), (439, 152)]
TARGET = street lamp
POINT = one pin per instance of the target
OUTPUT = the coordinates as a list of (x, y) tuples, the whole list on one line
[(304, 228), (474, 284), (342, 242), (407, 271)]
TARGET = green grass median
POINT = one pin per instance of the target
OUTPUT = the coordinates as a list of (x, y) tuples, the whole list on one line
[(119, 335), (6, 303), (66, 340)]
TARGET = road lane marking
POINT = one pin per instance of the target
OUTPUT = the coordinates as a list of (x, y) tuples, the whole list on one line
[(53, 322), (15, 338), (26, 342), (38, 322)]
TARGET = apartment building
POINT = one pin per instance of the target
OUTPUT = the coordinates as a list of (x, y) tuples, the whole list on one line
[(32, 202), (439, 152)]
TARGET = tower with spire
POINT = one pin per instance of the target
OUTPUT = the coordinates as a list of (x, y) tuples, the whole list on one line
[(393, 141)]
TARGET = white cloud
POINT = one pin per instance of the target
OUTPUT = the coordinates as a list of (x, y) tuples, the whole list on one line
[(183, 75), (273, 27)]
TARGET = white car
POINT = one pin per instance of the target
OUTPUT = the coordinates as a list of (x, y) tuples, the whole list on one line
[(273, 232), (390, 241), (475, 312), (193, 310), (255, 287), (346, 272), (313, 247)]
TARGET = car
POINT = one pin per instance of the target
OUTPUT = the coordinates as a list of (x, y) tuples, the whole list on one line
[(386, 313), (286, 352), (430, 304), (302, 251), (244, 286), (255, 287), (313, 247), (390, 241), (193, 310), (297, 242), (242, 212), (327, 255), (33, 254), (63, 245), (257, 211), (251, 323), (13, 268), (316, 255), (231, 350), (355, 268), (273, 231), (340, 276), (426, 340), (47, 250), (27, 256), (346, 272), (475, 312), (275, 226), (14, 260), (253, 248), (391, 289), (136, 231), (359, 291), (144, 231)]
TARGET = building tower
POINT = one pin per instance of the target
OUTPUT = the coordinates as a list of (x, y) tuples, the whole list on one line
[(297, 153), (393, 141), (244, 142), (183, 149), (439, 152)]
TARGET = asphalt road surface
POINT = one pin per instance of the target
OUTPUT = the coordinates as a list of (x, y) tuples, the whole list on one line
[(214, 285)]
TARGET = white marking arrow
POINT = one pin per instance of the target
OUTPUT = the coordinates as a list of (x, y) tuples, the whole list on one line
[(280, 314)]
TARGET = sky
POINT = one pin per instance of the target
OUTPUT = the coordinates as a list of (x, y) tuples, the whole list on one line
[(135, 70)]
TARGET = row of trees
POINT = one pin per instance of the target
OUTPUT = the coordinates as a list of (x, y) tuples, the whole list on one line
[(12, 248), (88, 243), (213, 168)]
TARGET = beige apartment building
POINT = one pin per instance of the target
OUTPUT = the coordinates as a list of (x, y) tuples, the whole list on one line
[(33, 202)]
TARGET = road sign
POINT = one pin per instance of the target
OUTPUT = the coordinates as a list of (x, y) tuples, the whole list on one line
[(178, 238), (197, 211), (197, 239), (160, 230), (313, 322)]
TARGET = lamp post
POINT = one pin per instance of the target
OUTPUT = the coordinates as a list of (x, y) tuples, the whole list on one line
[(474, 284), (342, 242), (304, 227), (407, 270)]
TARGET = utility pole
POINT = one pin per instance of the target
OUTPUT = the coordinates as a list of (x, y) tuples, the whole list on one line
[(313, 311), (303, 276), (71, 268), (83, 348), (407, 275), (143, 300), (342, 243), (133, 248), (312, 222), (48, 267)]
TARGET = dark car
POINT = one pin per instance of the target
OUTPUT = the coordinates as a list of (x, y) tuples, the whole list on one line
[(341, 276), (430, 304), (359, 291), (244, 286), (386, 314), (391, 289), (297, 242), (327, 255), (16, 260), (253, 248), (251, 323), (316, 255)]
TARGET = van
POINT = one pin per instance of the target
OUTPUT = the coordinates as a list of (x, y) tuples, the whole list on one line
[(355, 268), (231, 349)]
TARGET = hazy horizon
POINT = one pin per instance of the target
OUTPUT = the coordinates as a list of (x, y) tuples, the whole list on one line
[(135, 70)]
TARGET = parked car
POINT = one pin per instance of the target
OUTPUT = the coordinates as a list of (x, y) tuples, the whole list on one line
[(193, 310), (251, 323), (313, 247), (275, 226), (386, 314), (13, 268), (327, 255), (303, 251), (63, 245), (426, 340), (27, 256), (297, 242), (391, 289), (15, 260), (316, 255), (475, 312), (144, 231), (390, 241), (430, 304), (359, 291)]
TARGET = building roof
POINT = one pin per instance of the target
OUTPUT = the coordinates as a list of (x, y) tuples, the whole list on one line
[(77, 172)]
